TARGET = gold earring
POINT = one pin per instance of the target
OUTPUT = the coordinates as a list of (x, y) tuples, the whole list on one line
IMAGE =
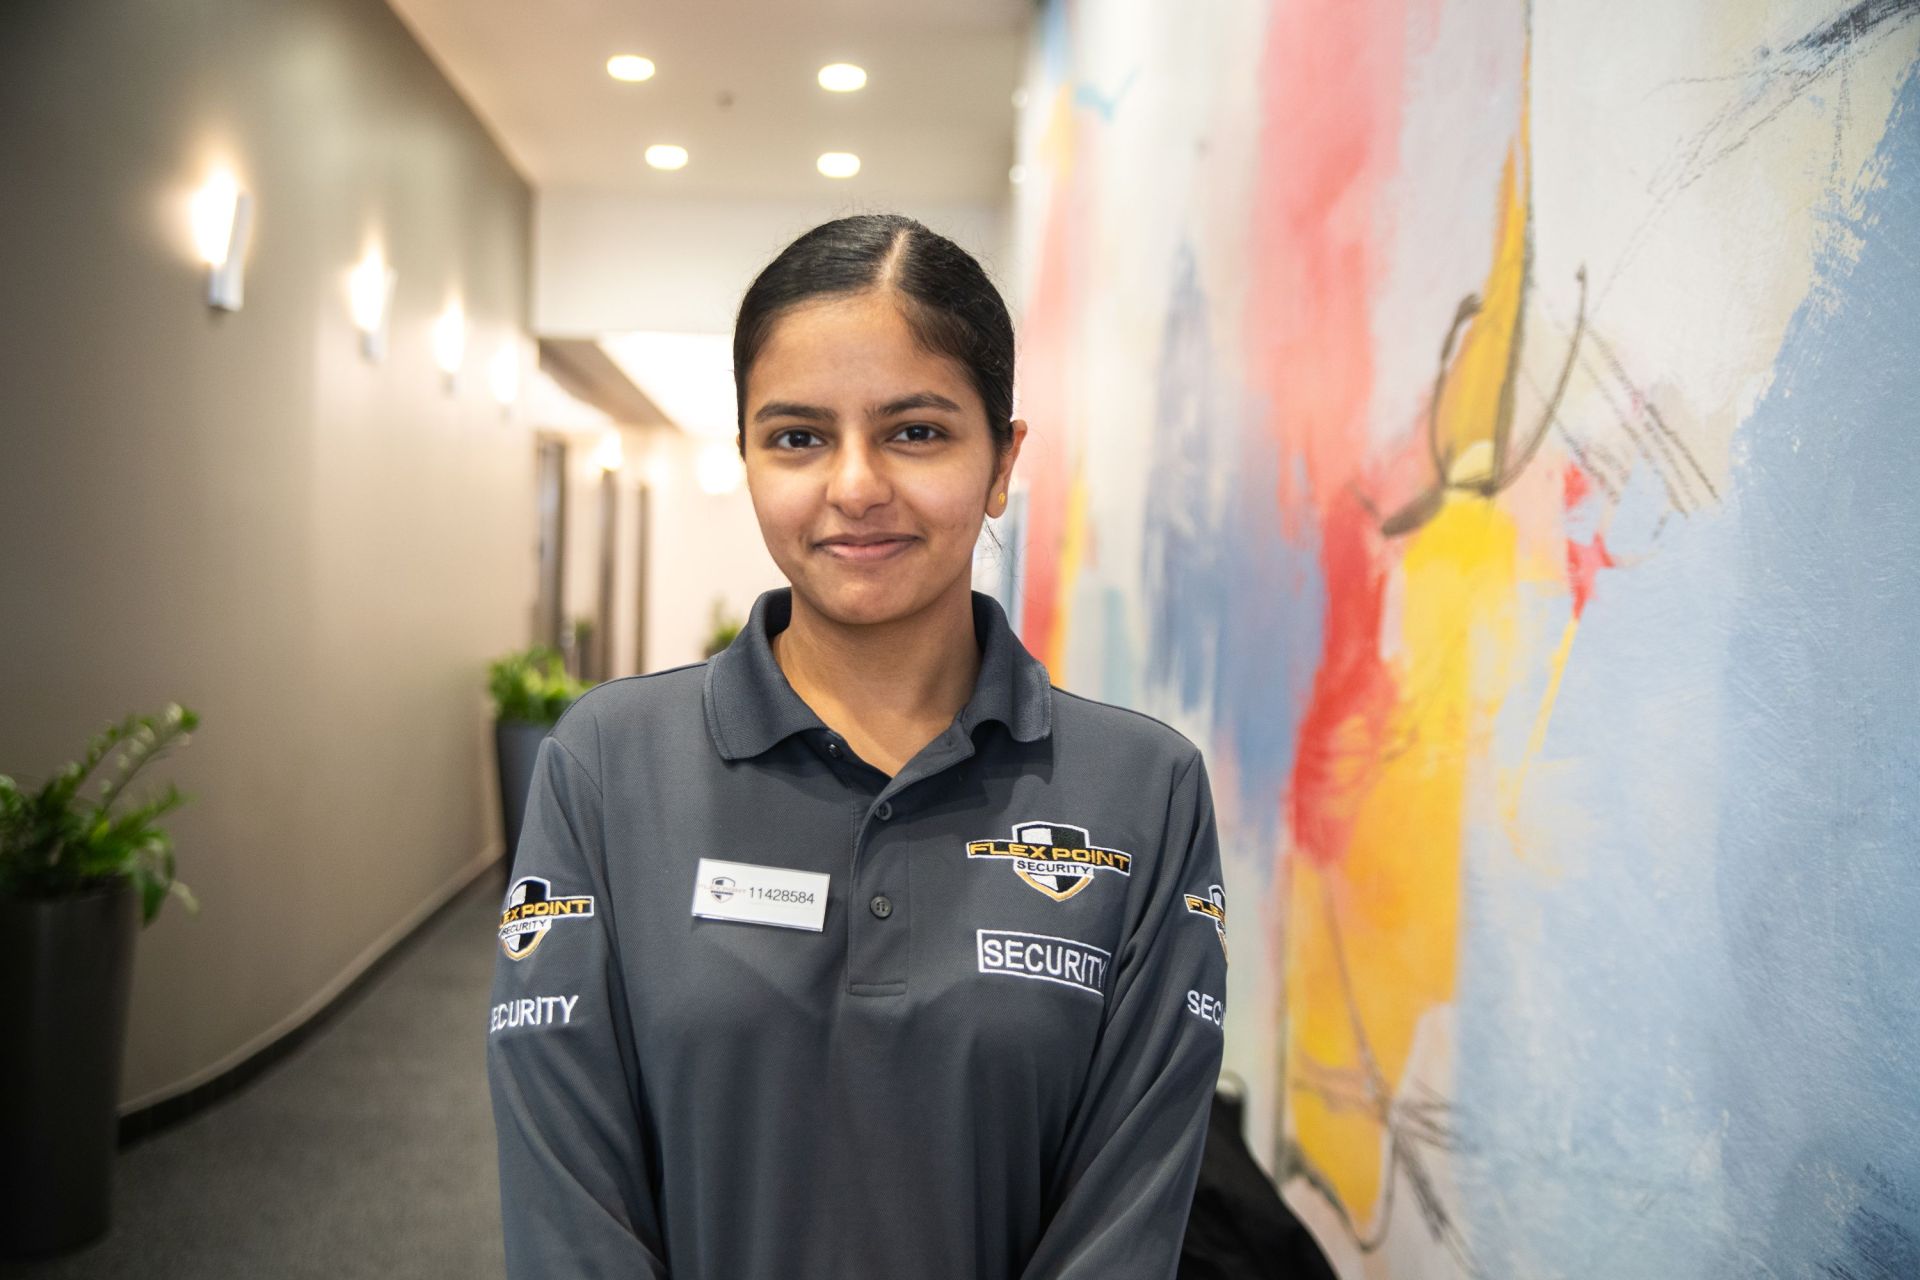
[(1003, 495)]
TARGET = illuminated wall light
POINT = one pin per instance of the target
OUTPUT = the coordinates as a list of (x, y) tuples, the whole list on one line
[(842, 77), (222, 226), (718, 469), (370, 296), (450, 341), (503, 375), (608, 454), (1017, 174), (664, 155), (630, 67), (838, 164)]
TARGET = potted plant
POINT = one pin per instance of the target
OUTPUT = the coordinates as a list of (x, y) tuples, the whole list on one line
[(73, 874), (723, 627), (530, 690)]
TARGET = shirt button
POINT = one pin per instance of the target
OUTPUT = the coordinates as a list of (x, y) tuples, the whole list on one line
[(883, 810), (833, 748), (881, 906)]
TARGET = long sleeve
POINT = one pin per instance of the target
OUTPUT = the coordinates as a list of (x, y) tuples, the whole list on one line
[(1124, 1184), (577, 1195)]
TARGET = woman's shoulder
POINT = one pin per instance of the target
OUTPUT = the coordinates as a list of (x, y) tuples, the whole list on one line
[(1124, 732), (661, 704)]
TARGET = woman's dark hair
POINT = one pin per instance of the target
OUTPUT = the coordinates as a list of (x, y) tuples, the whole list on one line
[(949, 304)]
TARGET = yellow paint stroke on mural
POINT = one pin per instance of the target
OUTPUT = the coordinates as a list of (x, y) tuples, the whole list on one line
[(1470, 422), (1375, 935), (1073, 552), (1513, 784), (1375, 931)]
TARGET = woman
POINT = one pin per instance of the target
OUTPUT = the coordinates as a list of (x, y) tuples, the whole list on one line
[(859, 950)]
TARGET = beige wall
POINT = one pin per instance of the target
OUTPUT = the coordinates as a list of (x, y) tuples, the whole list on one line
[(704, 546), (238, 511)]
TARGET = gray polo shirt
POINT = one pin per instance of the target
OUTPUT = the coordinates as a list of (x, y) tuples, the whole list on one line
[(974, 1037)]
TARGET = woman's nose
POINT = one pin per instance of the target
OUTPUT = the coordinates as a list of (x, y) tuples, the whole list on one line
[(857, 481)]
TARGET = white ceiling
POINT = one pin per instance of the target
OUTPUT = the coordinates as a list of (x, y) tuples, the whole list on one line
[(735, 86)]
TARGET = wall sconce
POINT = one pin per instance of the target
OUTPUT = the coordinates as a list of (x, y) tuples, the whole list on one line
[(222, 226), (503, 375), (450, 341), (607, 454), (370, 294)]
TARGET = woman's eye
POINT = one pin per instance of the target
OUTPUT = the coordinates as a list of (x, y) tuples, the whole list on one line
[(780, 437), (933, 433)]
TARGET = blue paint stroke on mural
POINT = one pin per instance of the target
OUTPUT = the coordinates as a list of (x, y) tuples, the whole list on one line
[(1104, 104), (1056, 44), (1688, 1036), (1118, 661), (1591, 962), (1821, 807), (1232, 607)]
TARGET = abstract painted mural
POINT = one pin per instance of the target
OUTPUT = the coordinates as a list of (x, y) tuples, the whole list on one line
[(1492, 430)]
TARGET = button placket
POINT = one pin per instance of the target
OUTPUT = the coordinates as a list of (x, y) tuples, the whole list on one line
[(878, 938)]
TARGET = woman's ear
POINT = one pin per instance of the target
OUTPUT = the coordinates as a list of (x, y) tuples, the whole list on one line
[(1003, 473)]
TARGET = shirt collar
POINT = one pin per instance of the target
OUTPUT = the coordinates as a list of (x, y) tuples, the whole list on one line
[(750, 706)]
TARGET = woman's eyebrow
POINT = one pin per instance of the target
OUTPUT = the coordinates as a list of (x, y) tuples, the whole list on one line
[(815, 413), (918, 400), (792, 409)]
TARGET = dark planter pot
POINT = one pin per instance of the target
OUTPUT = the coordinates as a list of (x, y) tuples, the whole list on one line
[(517, 743), (63, 1001)]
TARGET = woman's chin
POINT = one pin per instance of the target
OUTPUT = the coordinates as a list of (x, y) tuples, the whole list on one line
[(863, 598)]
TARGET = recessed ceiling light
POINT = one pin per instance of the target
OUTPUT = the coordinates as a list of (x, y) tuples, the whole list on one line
[(838, 164), (842, 77), (664, 155), (630, 66)]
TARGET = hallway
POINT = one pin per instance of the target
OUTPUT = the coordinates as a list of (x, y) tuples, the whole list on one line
[(368, 1152)]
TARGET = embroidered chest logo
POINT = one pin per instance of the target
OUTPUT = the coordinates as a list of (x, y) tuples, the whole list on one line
[(531, 910), (1214, 907), (1057, 859)]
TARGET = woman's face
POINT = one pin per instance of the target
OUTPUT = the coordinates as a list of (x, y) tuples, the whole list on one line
[(868, 459)]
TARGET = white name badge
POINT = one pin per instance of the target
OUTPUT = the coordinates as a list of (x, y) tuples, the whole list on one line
[(760, 895)]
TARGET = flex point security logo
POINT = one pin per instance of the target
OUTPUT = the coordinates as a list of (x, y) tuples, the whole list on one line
[(1214, 907), (531, 911), (1057, 859), (722, 888)]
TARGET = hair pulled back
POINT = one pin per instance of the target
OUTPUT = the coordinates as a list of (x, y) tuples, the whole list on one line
[(950, 306)]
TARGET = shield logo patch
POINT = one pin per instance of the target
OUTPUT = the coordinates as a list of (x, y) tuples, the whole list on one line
[(1059, 859), (530, 910)]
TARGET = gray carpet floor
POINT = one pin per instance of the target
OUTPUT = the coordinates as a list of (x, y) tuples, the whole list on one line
[(367, 1152)]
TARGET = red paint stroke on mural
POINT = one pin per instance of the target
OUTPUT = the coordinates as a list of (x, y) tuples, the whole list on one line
[(1584, 559), (1331, 90), (1043, 364), (1343, 733), (1584, 562)]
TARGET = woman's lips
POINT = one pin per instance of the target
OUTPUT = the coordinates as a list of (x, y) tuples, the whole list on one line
[(866, 553)]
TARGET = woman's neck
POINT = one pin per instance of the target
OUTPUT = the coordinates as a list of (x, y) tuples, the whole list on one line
[(886, 687)]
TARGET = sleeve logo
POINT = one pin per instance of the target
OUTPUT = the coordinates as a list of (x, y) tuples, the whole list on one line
[(1214, 907), (531, 910), (1057, 859)]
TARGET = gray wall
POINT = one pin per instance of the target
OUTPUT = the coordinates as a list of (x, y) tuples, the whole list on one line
[(237, 511)]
